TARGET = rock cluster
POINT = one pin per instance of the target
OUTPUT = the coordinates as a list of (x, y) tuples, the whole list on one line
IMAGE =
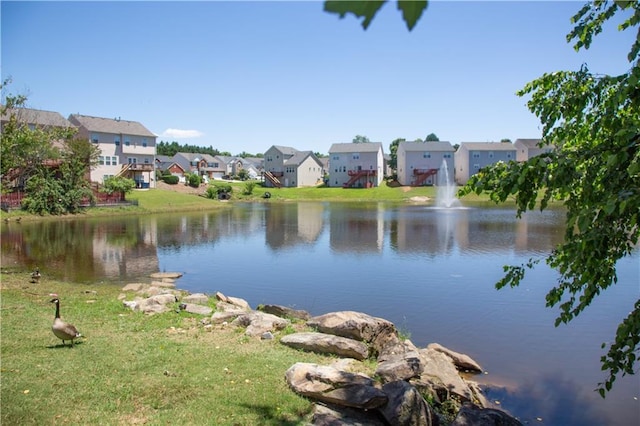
[(405, 375)]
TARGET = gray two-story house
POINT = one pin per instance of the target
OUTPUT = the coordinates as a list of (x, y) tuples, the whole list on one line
[(418, 163), (472, 156)]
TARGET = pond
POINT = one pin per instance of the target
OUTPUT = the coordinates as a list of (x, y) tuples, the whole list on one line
[(430, 271)]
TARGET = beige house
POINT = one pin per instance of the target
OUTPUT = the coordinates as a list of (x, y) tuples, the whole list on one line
[(528, 148), (472, 156), (127, 148), (288, 167), (418, 163), (356, 165)]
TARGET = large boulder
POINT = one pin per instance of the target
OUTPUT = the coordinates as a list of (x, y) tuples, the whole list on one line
[(399, 361), (258, 323), (327, 344), (197, 298), (472, 415), (406, 407), (241, 303), (333, 386), (462, 362), (156, 304), (334, 415), (377, 332), (284, 312), (441, 378)]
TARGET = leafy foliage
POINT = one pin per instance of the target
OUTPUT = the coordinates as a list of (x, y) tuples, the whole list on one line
[(393, 152), (172, 148), (249, 187), (431, 137), (411, 10), (118, 184), (361, 139), (592, 125)]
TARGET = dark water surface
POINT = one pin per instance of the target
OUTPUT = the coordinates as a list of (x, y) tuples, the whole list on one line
[(430, 271)]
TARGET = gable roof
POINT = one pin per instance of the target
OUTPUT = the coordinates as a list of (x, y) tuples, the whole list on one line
[(529, 143), (110, 125), (355, 147), (286, 150), (299, 158), (488, 146), (426, 146), (37, 117)]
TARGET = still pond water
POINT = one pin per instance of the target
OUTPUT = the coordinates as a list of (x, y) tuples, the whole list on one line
[(430, 271)]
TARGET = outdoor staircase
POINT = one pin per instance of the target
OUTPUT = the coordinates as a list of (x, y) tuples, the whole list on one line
[(357, 175), (422, 175), (274, 180), (125, 168)]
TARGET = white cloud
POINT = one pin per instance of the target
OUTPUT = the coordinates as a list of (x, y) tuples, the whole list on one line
[(181, 134)]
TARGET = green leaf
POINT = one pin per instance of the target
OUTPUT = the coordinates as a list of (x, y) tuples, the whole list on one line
[(412, 11), (362, 9)]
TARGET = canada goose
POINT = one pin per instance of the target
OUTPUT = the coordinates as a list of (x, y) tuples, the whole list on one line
[(63, 330), (35, 275)]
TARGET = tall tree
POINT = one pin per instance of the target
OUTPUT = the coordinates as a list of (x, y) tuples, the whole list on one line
[(593, 123), (431, 137), (360, 139), (393, 152)]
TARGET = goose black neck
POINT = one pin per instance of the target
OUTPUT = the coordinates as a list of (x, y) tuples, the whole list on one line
[(57, 309)]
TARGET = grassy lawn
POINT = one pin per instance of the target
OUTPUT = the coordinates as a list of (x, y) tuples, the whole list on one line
[(132, 368)]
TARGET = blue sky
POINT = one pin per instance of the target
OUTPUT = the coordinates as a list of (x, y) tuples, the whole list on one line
[(242, 76)]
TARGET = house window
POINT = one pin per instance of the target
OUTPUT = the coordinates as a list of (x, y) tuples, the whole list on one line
[(215, 165), (476, 166), (146, 161), (94, 137), (114, 161), (356, 156), (127, 141), (107, 161), (144, 142), (101, 160), (447, 155), (426, 155), (509, 155), (336, 158), (105, 177), (490, 154), (116, 140), (475, 154), (132, 160)]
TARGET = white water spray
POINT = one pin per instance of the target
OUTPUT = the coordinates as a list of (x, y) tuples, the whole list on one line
[(446, 188)]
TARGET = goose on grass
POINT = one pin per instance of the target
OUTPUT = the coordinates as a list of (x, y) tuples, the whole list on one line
[(63, 330)]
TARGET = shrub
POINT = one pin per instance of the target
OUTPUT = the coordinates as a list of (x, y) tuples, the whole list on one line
[(248, 187), (171, 179), (194, 180), (117, 184)]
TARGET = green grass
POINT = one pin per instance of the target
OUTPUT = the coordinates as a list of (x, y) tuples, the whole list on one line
[(132, 368)]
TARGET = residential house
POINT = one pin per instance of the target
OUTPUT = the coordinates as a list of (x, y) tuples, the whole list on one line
[(472, 156), (528, 148), (127, 148), (356, 165), (286, 166), (33, 119), (419, 162), (165, 164), (204, 165)]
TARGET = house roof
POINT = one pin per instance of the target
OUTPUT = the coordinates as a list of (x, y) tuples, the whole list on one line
[(37, 117), (110, 125), (355, 147), (286, 150), (426, 146), (529, 143), (488, 146), (300, 156)]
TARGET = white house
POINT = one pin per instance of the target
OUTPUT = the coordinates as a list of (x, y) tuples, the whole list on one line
[(418, 163), (528, 148)]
